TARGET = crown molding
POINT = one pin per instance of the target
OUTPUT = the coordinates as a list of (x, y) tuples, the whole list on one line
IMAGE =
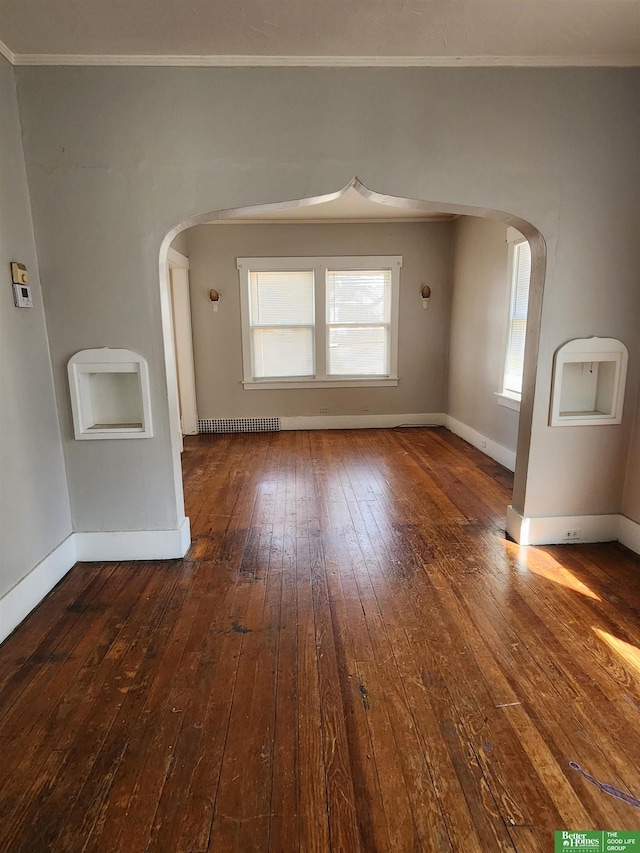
[(605, 61), (8, 54)]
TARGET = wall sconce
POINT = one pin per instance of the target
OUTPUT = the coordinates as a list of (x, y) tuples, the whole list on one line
[(214, 296), (425, 293)]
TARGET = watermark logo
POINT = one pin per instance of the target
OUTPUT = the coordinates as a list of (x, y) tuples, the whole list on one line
[(598, 841)]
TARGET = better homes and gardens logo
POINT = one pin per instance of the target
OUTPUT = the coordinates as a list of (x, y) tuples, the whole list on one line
[(597, 841), (579, 840)]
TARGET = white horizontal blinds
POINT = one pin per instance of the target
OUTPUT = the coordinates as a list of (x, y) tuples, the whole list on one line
[(281, 321), (521, 273), (358, 322)]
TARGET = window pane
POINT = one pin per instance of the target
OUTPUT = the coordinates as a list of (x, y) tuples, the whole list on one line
[(281, 298), (358, 351), (520, 275), (282, 352), (358, 296), (515, 357)]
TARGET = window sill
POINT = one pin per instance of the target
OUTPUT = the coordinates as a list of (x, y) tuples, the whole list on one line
[(280, 384), (508, 401)]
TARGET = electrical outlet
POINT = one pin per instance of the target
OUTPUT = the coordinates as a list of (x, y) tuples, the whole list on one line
[(324, 410), (573, 534)]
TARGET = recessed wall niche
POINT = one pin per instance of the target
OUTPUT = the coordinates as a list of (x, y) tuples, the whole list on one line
[(110, 395), (588, 382)]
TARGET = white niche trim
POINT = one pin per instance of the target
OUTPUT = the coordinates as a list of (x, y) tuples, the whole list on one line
[(110, 395), (588, 382)]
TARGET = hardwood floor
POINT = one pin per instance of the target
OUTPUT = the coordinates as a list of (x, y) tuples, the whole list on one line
[(352, 657)]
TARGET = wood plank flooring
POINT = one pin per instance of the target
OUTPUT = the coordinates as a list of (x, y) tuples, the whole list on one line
[(352, 657)]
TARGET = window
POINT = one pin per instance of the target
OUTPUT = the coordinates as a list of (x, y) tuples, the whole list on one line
[(281, 323), (520, 272), (319, 321)]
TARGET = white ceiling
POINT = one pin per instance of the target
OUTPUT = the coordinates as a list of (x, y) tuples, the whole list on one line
[(261, 32)]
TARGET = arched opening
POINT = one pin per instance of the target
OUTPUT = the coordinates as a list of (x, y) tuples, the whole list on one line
[(299, 209)]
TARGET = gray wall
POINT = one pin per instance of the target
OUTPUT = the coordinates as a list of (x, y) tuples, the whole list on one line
[(631, 503), (479, 315), (34, 502), (111, 173), (423, 336)]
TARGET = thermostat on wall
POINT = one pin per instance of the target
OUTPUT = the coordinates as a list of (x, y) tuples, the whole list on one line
[(22, 296), (21, 290)]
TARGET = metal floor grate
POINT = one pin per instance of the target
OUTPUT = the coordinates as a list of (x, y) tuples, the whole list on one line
[(239, 425)]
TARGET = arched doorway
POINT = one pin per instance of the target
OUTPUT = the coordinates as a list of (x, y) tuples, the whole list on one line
[(355, 189)]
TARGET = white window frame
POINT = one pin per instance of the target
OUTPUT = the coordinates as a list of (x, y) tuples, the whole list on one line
[(320, 266), (506, 397)]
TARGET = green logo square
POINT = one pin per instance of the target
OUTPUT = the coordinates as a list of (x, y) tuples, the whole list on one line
[(598, 841)]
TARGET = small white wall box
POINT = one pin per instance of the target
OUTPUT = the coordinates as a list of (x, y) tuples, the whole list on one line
[(22, 297), (588, 382), (110, 395)]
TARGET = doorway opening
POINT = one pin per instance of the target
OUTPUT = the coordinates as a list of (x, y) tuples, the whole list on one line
[(461, 309)]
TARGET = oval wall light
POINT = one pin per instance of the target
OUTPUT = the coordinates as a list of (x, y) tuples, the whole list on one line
[(425, 293)]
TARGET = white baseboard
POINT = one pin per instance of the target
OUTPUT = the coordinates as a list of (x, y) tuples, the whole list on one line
[(29, 592), (88, 547), (514, 525), (629, 534), (100, 546), (367, 421), (552, 530), (496, 451)]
